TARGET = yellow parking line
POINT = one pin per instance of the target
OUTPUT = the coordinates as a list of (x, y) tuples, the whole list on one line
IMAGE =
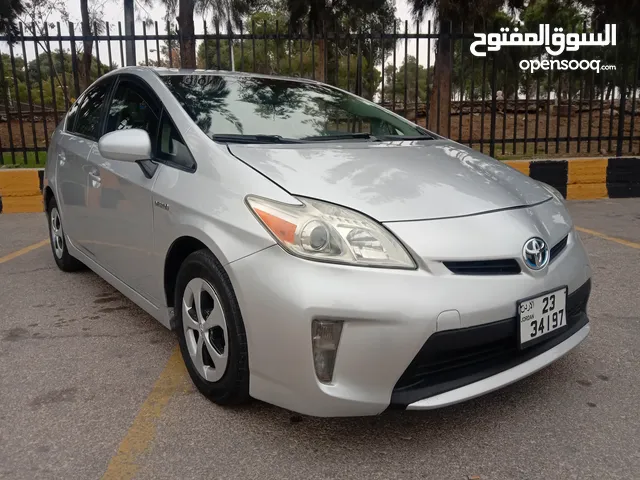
[(24, 250), (607, 237), (124, 464)]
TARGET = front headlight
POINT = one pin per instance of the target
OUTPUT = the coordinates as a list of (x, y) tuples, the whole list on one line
[(325, 232), (553, 191)]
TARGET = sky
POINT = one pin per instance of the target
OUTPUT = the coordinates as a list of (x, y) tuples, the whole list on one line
[(113, 13)]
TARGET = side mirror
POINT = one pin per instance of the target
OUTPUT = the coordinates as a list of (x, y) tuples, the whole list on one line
[(131, 145)]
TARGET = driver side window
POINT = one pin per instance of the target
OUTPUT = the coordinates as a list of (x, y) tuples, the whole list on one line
[(131, 108)]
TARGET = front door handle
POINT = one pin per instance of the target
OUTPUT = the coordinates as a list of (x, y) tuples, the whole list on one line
[(95, 179)]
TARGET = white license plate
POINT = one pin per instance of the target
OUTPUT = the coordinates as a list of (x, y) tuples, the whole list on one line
[(542, 315)]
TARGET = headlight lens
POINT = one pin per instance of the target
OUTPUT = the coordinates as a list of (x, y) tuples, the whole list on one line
[(325, 232), (553, 191)]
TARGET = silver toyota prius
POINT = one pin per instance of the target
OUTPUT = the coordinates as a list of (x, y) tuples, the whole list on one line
[(311, 249)]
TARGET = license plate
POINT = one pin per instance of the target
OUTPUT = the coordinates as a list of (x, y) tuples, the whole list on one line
[(541, 316)]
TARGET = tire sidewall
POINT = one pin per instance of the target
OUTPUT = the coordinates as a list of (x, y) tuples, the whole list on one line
[(202, 264)]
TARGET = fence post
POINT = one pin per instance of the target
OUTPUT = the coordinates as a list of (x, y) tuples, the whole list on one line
[(129, 29), (492, 140), (623, 96)]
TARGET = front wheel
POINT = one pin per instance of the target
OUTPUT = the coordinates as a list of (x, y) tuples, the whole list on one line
[(61, 255), (210, 330)]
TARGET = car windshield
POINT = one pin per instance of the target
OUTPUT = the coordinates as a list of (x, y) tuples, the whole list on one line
[(256, 110)]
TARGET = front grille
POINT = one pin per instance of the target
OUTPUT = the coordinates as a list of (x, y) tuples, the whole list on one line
[(558, 248), (507, 266), (484, 267), (454, 358)]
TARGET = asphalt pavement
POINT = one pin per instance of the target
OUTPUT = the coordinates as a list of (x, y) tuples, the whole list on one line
[(92, 387)]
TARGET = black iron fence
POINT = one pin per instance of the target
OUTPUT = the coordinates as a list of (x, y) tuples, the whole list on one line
[(490, 103)]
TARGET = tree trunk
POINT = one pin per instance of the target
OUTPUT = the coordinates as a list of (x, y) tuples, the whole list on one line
[(320, 60), (87, 45), (187, 32), (439, 110)]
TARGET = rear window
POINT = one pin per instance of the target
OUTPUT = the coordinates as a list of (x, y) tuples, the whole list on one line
[(243, 105)]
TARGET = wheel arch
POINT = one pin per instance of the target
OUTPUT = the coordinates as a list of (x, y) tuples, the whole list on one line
[(179, 250), (48, 195)]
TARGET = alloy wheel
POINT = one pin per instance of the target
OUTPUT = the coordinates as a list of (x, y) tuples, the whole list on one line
[(57, 235), (205, 329)]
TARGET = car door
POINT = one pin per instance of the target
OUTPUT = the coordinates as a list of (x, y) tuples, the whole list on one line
[(122, 217), (77, 189)]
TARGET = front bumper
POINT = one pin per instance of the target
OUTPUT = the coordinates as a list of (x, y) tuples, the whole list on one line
[(504, 378), (388, 317), (468, 362)]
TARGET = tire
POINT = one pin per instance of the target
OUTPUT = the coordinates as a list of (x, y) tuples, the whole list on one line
[(217, 333), (61, 255)]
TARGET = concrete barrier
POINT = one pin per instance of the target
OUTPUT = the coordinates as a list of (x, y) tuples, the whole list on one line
[(586, 178), (575, 178), (21, 190)]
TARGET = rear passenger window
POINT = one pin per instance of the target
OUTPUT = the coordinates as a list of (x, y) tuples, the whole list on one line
[(88, 113)]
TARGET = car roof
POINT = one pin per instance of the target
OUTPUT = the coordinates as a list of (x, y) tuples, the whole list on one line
[(164, 72)]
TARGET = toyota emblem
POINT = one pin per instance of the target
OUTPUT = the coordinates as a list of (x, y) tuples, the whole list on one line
[(535, 253)]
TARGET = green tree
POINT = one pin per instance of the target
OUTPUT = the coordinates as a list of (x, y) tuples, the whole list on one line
[(468, 71), (473, 14), (41, 69), (320, 16), (10, 11), (229, 11), (9, 71), (395, 92), (285, 57), (40, 76)]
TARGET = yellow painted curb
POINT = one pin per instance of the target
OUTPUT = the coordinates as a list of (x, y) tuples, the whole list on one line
[(587, 179), (20, 191), (521, 165), (26, 204), (19, 183)]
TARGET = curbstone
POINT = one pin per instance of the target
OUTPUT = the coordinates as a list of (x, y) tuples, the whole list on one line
[(586, 178), (21, 190)]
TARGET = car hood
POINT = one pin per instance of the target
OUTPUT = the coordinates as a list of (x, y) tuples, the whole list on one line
[(395, 181)]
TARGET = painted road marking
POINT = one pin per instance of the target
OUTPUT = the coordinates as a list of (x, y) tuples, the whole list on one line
[(124, 464), (24, 250), (610, 238)]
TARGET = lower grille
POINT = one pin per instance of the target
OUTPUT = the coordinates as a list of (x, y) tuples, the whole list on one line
[(454, 358)]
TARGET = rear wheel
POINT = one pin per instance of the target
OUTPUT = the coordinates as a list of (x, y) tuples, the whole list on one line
[(210, 330), (65, 262)]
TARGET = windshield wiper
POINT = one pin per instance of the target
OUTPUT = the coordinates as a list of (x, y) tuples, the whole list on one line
[(405, 137), (240, 138), (345, 136)]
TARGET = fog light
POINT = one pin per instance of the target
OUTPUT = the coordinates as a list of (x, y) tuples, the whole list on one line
[(325, 337)]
